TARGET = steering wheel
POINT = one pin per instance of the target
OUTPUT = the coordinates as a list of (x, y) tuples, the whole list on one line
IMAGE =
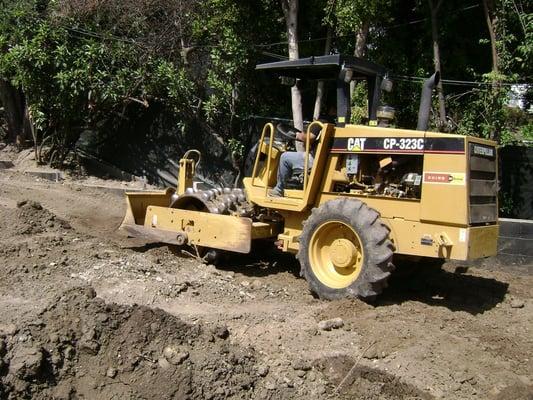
[(287, 132)]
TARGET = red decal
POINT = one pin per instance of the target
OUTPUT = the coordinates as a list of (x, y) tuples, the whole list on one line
[(441, 178)]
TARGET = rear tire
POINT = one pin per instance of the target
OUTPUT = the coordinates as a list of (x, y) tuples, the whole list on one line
[(345, 250)]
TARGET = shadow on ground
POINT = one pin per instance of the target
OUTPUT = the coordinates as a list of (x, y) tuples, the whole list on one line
[(426, 282), (263, 260), (433, 285), (353, 381)]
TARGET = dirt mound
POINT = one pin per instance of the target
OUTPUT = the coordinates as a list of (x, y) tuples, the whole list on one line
[(456, 332), (82, 347), (32, 218)]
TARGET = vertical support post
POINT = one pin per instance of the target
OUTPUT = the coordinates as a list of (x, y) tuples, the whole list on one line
[(374, 88), (308, 150), (306, 160), (186, 174), (343, 103), (270, 142), (259, 147)]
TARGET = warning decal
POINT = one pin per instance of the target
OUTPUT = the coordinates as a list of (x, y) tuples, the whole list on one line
[(446, 178)]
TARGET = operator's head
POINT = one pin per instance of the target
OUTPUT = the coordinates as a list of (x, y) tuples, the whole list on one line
[(385, 115)]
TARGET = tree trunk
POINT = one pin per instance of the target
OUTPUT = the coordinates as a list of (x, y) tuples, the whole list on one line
[(321, 85), (290, 10), (360, 40), (491, 20), (13, 103), (434, 9), (360, 45)]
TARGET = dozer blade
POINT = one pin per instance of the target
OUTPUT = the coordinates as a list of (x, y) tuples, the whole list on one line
[(149, 217), (138, 202)]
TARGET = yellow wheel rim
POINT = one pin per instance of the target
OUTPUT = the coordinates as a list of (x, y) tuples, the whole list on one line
[(336, 254)]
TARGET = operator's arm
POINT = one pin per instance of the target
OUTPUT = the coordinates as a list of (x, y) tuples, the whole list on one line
[(302, 137)]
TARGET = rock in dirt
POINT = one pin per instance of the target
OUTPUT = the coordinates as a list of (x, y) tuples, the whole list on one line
[(174, 355), (329, 324), (8, 329), (300, 373), (163, 363), (301, 365), (88, 342), (111, 372), (517, 303), (256, 284), (26, 362), (263, 370), (221, 332), (271, 385), (36, 205)]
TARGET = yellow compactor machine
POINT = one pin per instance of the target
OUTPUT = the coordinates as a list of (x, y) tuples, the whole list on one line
[(372, 192)]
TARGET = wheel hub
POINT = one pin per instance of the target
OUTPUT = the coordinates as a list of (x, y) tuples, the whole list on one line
[(336, 254), (343, 253)]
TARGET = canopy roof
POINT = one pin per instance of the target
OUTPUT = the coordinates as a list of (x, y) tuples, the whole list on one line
[(324, 67)]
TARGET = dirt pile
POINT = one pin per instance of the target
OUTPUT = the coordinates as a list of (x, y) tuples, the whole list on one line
[(456, 332), (80, 346), (29, 218), (33, 218)]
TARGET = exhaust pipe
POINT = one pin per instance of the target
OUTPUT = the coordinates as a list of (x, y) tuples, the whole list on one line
[(425, 101)]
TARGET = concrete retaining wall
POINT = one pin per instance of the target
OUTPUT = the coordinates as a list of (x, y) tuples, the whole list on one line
[(516, 240)]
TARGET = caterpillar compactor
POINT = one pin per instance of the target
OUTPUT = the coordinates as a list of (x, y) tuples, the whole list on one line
[(366, 193)]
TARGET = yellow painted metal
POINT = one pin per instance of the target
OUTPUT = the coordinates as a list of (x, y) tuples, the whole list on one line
[(440, 217), (263, 230), (270, 128), (185, 176), (445, 203), (482, 241), (267, 177), (187, 169), (436, 225), (308, 150), (255, 191), (224, 232), (137, 202), (269, 156), (336, 254)]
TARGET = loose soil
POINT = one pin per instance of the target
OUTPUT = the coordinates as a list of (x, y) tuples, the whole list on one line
[(88, 313)]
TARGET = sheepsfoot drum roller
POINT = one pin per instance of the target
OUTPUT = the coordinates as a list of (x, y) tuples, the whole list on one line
[(360, 195)]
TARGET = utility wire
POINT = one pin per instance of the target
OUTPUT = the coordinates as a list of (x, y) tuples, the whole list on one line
[(456, 82), (262, 45), (414, 22), (405, 78)]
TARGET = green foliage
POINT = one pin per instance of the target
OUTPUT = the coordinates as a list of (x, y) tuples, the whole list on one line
[(74, 81), (359, 104), (107, 66), (484, 114), (507, 206), (236, 148), (231, 85), (348, 16), (526, 132)]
